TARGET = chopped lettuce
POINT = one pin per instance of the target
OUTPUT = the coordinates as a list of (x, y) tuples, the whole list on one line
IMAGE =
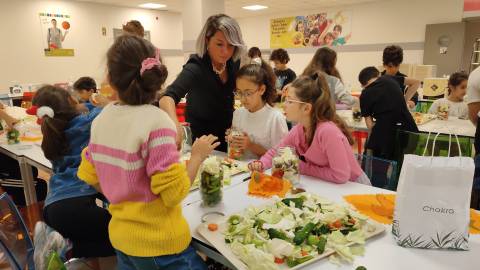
[(280, 248), (260, 234), (357, 237), (253, 257), (283, 224)]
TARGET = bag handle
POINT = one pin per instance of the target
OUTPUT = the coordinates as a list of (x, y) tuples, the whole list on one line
[(458, 144), (449, 144), (426, 145)]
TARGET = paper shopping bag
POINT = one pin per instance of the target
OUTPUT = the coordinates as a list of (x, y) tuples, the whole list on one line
[(433, 201)]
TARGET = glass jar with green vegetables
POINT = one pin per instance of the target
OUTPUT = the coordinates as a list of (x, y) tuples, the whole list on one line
[(211, 181)]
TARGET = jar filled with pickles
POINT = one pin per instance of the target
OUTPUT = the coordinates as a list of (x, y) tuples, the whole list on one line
[(285, 164), (211, 181)]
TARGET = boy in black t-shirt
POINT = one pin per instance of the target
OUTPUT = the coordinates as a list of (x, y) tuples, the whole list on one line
[(280, 58), (392, 58), (383, 100)]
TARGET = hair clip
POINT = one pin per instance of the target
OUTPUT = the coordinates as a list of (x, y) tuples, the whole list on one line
[(149, 63), (45, 111)]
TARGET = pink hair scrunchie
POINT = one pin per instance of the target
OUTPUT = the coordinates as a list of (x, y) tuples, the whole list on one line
[(150, 62)]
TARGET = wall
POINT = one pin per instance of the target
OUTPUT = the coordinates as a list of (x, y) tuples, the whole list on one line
[(374, 25), (454, 35), (22, 55), (472, 33)]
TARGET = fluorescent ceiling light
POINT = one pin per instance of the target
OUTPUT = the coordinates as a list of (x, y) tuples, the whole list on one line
[(255, 7), (152, 5)]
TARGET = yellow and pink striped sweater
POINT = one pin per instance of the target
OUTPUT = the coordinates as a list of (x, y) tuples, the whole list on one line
[(133, 156)]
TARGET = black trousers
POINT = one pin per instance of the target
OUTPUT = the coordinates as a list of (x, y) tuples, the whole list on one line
[(82, 222)]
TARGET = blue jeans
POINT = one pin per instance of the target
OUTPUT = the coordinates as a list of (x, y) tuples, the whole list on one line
[(186, 260)]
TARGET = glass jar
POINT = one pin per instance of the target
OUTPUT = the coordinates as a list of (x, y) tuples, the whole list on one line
[(442, 111), (187, 139), (211, 181), (285, 164), (233, 152)]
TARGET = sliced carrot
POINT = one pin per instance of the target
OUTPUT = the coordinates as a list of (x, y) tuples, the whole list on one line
[(337, 224), (279, 260), (304, 253), (212, 227)]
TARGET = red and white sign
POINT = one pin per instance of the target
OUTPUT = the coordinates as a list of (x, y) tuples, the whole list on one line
[(471, 8)]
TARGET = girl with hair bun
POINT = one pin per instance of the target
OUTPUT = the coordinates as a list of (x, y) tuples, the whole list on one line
[(133, 158)]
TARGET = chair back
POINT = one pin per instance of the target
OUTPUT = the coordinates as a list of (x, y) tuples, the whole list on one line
[(383, 173), (14, 234)]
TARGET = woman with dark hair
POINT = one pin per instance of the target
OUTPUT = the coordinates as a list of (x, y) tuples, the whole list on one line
[(208, 78), (325, 60)]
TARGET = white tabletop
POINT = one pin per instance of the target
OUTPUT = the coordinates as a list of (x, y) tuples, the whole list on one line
[(453, 125), (31, 151), (381, 252)]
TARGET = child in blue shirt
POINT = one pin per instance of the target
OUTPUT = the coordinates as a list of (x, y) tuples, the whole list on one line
[(70, 206)]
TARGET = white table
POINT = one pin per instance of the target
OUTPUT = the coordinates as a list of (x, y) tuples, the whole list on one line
[(27, 155), (453, 125), (381, 252)]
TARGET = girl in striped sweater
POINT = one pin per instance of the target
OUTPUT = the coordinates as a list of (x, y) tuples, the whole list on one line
[(133, 158)]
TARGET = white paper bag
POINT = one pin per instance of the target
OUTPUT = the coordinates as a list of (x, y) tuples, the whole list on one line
[(432, 207)]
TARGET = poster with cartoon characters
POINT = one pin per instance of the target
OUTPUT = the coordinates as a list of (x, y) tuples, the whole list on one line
[(55, 34), (321, 29)]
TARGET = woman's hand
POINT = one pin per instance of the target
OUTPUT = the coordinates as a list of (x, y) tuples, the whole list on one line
[(203, 146)]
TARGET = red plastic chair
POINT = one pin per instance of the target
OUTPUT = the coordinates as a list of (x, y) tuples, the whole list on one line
[(359, 136)]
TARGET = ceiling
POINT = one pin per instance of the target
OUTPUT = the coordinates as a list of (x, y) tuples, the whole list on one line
[(234, 7)]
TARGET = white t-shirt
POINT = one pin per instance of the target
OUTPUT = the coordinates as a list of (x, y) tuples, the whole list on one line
[(457, 109), (473, 87), (265, 127)]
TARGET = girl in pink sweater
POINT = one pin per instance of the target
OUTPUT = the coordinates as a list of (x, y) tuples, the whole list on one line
[(320, 138)]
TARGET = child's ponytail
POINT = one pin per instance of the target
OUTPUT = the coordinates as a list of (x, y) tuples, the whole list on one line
[(54, 143), (314, 90)]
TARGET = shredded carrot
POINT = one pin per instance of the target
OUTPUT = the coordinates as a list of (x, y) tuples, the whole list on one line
[(267, 186)]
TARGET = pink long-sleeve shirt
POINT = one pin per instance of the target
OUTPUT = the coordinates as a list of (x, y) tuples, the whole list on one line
[(329, 157)]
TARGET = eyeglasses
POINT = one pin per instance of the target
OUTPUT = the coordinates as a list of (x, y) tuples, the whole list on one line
[(246, 94), (290, 101)]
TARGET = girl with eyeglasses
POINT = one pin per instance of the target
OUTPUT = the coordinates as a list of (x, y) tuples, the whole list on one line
[(262, 125), (321, 138)]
